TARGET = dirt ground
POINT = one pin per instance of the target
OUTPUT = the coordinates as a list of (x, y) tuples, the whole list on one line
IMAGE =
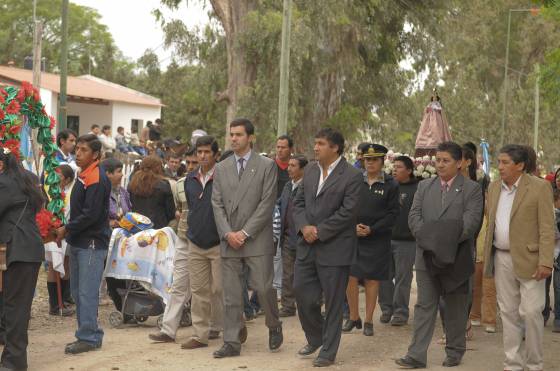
[(130, 349)]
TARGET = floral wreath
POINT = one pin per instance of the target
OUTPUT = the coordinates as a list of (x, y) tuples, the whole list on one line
[(25, 102)]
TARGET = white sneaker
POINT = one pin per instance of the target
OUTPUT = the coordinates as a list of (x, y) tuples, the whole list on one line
[(490, 329), (475, 323)]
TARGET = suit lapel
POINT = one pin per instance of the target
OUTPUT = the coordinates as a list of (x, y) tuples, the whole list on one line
[(314, 176), (232, 178), (454, 191), (246, 179), (333, 177), (520, 194)]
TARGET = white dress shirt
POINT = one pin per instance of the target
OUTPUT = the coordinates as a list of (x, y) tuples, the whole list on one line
[(503, 215), (205, 178), (245, 158), (323, 178)]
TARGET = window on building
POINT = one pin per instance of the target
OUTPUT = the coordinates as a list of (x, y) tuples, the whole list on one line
[(135, 125), (73, 123)]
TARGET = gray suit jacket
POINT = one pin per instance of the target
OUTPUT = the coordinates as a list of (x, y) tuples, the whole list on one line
[(333, 211), (463, 202), (245, 204)]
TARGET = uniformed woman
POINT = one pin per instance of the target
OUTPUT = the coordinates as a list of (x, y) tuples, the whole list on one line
[(379, 207)]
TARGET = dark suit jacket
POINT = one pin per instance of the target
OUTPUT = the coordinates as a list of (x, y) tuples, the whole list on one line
[(23, 240), (333, 211), (285, 197)]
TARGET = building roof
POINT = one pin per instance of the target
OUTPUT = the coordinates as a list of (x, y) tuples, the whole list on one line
[(86, 86)]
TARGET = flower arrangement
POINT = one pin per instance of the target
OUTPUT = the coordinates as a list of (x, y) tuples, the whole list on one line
[(16, 104), (424, 167), (47, 223)]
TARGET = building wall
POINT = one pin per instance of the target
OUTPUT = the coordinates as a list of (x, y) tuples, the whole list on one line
[(124, 113), (47, 98), (90, 114)]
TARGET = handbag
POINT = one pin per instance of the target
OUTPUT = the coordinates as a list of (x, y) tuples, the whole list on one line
[(4, 246)]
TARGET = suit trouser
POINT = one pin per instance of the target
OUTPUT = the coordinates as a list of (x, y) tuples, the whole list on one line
[(180, 292), (288, 299), (521, 302), (484, 298), (311, 282), (19, 285), (394, 298), (261, 272), (206, 285), (425, 314)]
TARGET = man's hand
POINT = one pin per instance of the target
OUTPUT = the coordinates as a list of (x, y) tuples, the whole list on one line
[(177, 215), (236, 239), (363, 230), (60, 234), (310, 234), (542, 273)]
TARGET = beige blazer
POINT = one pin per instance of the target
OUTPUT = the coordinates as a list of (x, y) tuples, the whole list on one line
[(531, 229)]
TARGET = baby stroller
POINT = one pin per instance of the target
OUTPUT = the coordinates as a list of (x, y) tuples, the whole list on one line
[(140, 304)]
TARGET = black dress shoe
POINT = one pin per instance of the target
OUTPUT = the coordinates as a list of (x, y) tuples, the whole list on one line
[(350, 324), (409, 363), (322, 362), (368, 329), (226, 351), (275, 338), (78, 347), (308, 350), (385, 317), (451, 362)]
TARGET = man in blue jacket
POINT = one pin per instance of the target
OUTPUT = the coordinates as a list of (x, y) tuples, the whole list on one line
[(87, 234)]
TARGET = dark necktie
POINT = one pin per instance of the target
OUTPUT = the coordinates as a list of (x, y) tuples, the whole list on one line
[(241, 168), (444, 189)]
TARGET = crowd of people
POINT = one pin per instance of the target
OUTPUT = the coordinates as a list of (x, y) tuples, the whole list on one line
[(288, 236)]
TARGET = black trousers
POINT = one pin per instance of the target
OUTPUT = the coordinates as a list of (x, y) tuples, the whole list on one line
[(312, 282), (19, 285)]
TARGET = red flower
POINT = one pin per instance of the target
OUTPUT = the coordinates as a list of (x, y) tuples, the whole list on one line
[(21, 95), (53, 122), (4, 93), (2, 131), (14, 130), (13, 108), (2, 115), (2, 100), (43, 112), (36, 95), (47, 223)]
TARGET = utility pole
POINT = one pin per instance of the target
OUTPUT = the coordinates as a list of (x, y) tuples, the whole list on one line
[(502, 134), (537, 104), (37, 40), (284, 70), (63, 68)]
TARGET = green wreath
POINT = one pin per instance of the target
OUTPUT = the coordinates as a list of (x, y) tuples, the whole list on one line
[(26, 102)]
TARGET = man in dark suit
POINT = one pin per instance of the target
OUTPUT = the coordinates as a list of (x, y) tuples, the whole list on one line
[(447, 199), (289, 234), (325, 213)]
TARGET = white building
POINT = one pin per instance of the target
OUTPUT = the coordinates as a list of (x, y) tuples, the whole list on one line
[(91, 100)]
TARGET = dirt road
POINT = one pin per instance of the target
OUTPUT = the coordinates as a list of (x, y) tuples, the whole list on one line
[(129, 348)]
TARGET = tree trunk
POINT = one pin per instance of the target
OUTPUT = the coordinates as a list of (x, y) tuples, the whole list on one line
[(241, 73)]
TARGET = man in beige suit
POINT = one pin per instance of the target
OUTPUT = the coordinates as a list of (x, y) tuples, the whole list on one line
[(243, 199), (518, 252)]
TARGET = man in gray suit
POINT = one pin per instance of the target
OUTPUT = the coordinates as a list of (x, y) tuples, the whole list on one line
[(325, 216), (243, 199), (441, 201)]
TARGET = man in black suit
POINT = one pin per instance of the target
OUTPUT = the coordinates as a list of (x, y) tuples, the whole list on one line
[(325, 212)]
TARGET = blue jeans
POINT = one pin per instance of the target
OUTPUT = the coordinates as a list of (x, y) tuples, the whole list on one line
[(86, 272)]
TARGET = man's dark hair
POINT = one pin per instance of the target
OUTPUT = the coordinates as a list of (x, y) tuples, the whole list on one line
[(66, 171), (111, 165), (556, 194), (407, 162), (120, 128), (208, 140), (191, 152), (246, 123), (64, 135), (531, 166), (92, 142), (94, 126), (333, 137), (106, 127), (301, 159), (362, 146), (452, 148), (174, 155), (286, 137), (471, 146), (517, 153)]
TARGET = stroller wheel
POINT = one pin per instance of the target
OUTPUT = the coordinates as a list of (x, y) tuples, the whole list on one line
[(116, 319), (160, 322), (141, 319)]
